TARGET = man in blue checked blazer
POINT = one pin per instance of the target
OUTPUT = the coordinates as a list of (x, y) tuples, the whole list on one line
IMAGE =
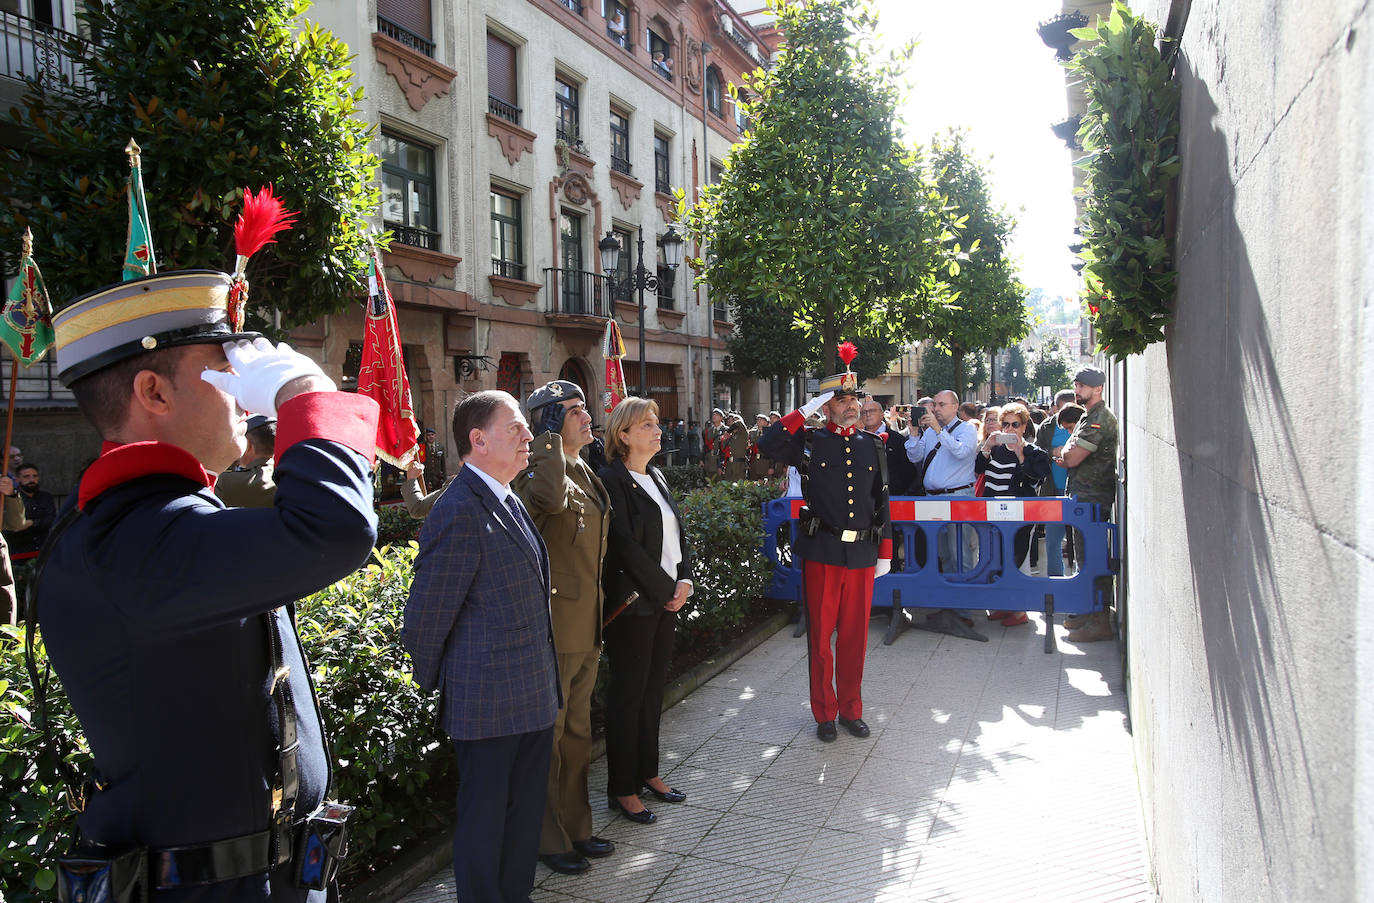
[(477, 628)]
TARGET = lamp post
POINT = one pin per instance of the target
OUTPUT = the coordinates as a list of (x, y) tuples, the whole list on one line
[(640, 279)]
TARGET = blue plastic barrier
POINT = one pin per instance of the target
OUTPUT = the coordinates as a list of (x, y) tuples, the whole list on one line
[(994, 582)]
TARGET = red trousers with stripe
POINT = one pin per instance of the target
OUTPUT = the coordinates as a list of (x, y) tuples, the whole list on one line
[(837, 604)]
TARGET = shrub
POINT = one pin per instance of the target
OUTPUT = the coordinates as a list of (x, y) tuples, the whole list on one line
[(683, 478), (395, 527)]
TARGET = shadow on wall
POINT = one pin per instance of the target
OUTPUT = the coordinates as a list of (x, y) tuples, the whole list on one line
[(1221, 366)]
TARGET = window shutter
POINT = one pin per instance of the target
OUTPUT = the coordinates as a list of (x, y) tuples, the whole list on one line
[(412, 15), (501, 70)]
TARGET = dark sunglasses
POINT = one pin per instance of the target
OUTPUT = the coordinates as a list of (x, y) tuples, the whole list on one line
[(1013, 425)]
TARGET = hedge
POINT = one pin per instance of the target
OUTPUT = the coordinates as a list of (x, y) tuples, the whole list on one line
[(391, 758)]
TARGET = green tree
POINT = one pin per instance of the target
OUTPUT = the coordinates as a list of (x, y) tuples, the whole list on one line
[(219, 96), (988, 307), (937, 373), (1017, 378), (1051, 365), (820, 210)]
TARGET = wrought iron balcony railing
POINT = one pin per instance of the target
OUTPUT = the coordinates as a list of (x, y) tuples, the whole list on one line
[(499, 108), (405, 36), (511, 269), (415, 236), (30, 49), (577, 292)]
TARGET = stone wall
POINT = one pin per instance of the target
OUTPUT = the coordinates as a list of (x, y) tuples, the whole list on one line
[(1248, 509)]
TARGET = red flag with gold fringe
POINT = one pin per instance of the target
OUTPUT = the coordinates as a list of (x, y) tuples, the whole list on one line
[(613, 349), (382, 374)]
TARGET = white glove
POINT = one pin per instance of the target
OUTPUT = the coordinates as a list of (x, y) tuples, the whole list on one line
[(882, 567), (259, 373), (814, 404)]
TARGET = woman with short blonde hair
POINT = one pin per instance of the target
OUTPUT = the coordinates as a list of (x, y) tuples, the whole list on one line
[(629, 411)]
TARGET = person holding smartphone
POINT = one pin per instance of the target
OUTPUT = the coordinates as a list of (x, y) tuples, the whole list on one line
[(1012, 468)]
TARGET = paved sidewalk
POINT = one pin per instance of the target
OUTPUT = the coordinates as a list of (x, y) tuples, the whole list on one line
[(995, 773)]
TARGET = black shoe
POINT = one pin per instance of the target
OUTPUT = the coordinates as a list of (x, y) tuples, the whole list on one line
[(671, 795), (856, 726), (643, 816), (825, 732), (566, 863), (594, 847)]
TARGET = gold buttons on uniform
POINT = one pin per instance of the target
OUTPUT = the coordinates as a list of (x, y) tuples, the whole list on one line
[(553, 591), (851, 501), (847, 461), (850, 488), (850, 474), (851, 514)]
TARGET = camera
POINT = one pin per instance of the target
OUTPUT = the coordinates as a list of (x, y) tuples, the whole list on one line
[(1004, 438), (918, 412)]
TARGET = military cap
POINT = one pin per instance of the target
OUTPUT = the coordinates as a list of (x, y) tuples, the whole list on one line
[(259, 420), (1090, 376), (106, 326), (554, 390), (846, 383)]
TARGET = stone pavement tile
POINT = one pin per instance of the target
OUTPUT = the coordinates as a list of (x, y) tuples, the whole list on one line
[(538, 895), (923, 780), (881, 814), (707, 788), (630, 875), (680, 827), (742, 756), (859, 860), (948, 874), (918, 746), (772, 728), (816, 764), (703, 881), (790, 801), (804, 889), (762, 843)]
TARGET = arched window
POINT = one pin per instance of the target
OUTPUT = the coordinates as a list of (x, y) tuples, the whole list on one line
[(713, 92)]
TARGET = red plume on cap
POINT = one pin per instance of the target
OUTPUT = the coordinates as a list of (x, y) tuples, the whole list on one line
[(848, 351), (263, 216)]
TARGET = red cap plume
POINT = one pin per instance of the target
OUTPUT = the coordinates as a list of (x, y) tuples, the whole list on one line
[(263, 216), (848, 351)]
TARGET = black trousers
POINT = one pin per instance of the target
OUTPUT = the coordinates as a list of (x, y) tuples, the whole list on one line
[(639, 648), (501, 787)]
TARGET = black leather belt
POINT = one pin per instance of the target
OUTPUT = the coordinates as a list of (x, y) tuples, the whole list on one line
[(207, 863), (949, 491), (871, 534)]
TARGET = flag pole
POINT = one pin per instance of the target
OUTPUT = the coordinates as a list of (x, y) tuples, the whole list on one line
[(9, 416)]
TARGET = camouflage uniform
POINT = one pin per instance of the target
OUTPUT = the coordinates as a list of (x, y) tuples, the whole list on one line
[(1094, 480)]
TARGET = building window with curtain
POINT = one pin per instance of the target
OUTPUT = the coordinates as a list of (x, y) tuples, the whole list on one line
[(620, 141), (407, 21), (714, 101), (503, 90), (617, 22), (573, 288), (663, 184), (409, 191), (507, 251), (569, 116)]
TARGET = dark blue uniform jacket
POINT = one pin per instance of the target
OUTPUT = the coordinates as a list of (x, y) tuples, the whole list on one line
[(154, 606)]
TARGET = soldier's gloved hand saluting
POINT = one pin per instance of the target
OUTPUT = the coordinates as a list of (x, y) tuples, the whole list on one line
[(815, 404), (261, 371), (550, 419)]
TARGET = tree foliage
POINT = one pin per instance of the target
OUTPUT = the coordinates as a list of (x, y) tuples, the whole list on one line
[(1051, 365), (820, 210), (987, 309), (937, 373), (220, 97)]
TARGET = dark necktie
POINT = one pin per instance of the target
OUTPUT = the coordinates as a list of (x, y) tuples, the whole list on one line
[(521, 520)]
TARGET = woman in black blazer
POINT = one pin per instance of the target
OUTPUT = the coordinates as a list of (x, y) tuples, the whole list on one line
[(647, 554)]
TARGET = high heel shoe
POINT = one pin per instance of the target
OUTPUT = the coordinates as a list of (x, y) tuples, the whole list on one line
[(643, 816), (671, 795)]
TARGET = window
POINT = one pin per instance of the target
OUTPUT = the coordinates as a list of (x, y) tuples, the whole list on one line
[(665, 284), (620, 141), (617, 22), (574, 5), (407, 21), (661, 54), (565, 100), (713, 91), (742, 118), (621, 280), (662, 183), (503, 91), (408, 191), (714, 173), (507, 252), (573, 294)]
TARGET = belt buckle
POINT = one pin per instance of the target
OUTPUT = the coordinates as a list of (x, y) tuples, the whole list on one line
[(849, 536)]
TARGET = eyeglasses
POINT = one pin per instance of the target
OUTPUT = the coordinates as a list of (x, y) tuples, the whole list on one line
[(1013, 425)]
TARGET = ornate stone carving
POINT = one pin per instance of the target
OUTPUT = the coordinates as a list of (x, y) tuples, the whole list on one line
[(516, 292), (576, 189), (667, 206), (627, 187), (420, 264), (514, 140), (670, 319), (421, 79), (693, 70)]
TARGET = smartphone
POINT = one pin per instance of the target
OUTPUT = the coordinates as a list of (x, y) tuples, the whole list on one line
[(1004, 438), (918, 412)]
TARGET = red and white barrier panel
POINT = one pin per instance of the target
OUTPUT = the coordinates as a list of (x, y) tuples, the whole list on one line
[(1039, 511)]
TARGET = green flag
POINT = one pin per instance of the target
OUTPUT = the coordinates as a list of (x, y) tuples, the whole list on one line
[(139, 260), (26, 322)]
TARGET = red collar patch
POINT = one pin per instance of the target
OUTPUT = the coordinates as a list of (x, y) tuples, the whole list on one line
[(845, 431), (119, 464)]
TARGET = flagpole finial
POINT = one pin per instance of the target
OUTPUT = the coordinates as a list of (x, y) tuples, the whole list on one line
[(133, 150), (28, 242)]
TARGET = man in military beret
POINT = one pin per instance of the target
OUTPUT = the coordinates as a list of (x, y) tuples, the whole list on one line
[(168, 617), (845, 539), (1090, 456), (249, 483), (573, 513)]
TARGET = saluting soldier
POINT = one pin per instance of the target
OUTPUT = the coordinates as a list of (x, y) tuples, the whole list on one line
[(573, 513), (844, 537), (736, 444), (760, 465), (249, 484)]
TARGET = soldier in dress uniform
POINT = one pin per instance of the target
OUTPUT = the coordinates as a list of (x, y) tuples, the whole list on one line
[(760, 465), (711, 457), (573, 513), (167, 616), (1091, 457), (735, 443), (844, 536), (249, 484)]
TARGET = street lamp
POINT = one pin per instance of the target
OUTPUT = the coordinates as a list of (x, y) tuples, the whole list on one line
[(640, 279)]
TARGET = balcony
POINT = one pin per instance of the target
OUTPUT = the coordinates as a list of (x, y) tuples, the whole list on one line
[(498, 107), (620, 165), (405, 36), (414, 236), (577, 293), (665, 289), (30, 49), (510, 269), (574, 5)]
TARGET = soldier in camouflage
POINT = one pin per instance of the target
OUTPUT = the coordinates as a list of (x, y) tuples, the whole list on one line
[(1090, 455)]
